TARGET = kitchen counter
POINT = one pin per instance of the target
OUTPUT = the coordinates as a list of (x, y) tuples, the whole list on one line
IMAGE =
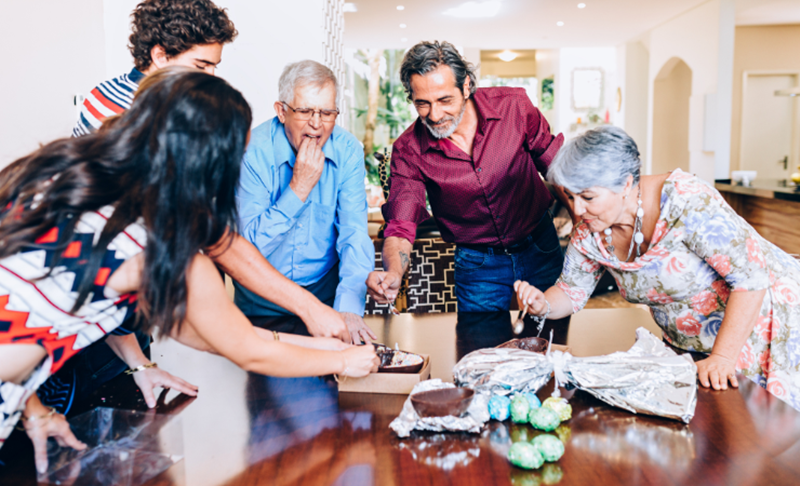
[(771, 206), (767, 188)]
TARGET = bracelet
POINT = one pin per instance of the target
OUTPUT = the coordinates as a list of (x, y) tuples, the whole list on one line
[(39, 417), (141, 368), (540, 319), (275, 335), (343, 374)]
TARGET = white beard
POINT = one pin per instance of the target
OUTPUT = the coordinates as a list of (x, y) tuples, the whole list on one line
[(440, 133)]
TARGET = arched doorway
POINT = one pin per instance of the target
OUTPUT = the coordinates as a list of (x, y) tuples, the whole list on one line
[(671, 92)]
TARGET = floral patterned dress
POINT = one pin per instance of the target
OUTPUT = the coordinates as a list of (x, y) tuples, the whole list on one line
[(700, 252)]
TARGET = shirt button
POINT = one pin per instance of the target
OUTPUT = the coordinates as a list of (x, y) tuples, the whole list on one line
[(300, 225), (479, 169)]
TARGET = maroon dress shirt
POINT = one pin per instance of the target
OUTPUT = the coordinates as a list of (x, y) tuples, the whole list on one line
[(495, 197)]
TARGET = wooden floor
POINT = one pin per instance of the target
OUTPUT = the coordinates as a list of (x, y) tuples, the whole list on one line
[(610, 300)]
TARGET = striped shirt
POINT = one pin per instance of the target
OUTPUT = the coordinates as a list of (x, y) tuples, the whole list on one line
[(109, 98)]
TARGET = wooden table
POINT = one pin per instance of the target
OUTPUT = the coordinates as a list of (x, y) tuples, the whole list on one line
[(248, 429)]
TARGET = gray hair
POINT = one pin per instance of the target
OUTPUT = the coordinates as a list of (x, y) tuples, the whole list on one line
[(304, 73), (427, 56), (603, 157)]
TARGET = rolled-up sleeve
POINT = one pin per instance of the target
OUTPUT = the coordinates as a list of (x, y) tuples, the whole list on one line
[(353, 245), (540, 143), (405, 208)]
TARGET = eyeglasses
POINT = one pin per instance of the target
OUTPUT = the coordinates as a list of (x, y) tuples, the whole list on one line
[(305, 114)]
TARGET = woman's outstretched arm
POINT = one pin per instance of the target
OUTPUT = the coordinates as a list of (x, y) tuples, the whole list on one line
[(213, 323), (245, 264)]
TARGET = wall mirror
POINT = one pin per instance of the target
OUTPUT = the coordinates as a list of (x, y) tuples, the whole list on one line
[(587, 89)]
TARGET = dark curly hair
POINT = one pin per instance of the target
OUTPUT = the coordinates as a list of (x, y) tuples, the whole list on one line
[(177, 26), (427, 56)]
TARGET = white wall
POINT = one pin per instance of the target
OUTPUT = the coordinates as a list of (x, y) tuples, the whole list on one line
[(635, 64), (694, 37), (54, 50), (58, 49), (584, 57), (268, 40)]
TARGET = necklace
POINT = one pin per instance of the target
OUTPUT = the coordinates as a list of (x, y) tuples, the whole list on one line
[(638, 236)]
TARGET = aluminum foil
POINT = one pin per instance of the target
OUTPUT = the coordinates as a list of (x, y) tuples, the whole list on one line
[(649, 378), (472, 421)]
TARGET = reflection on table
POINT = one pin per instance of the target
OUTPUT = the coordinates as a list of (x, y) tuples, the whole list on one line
[(250, 429)]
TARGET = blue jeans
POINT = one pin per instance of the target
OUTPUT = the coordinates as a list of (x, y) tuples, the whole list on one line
[(485, 278)]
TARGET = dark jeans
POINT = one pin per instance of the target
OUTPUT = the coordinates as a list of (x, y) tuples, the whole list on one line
[(485, 278), (324, 289), (84, 373)]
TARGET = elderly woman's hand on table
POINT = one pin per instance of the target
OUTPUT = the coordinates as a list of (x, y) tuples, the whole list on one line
[(715, 372)]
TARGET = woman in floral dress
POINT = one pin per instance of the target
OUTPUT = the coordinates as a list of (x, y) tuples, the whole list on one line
[(712, 283)]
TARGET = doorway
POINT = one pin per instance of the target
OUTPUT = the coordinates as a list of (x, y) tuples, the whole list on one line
[(768, 125), (671, 91)]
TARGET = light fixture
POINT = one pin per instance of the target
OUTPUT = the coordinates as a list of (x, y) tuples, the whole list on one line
[(402, 26), (474, 9), (560, 23), (581, 5), (788, 92), (400, 7), (507, 56), (350, 7)]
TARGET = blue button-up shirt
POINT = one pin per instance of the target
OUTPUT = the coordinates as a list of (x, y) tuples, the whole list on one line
[(304, 241)]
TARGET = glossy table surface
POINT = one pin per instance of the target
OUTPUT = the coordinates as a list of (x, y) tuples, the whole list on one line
[(250, 429)]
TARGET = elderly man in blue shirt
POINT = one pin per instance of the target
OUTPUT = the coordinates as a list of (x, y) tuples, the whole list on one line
[(302, 200)]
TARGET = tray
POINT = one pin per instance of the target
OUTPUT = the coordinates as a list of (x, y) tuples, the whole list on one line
[(393, 383)]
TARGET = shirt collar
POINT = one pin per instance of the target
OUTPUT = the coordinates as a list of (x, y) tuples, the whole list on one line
[(485, 112), (283, 149), (135, 75)]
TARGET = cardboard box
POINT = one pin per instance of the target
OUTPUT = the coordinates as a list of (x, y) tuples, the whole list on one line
[(395, 383)]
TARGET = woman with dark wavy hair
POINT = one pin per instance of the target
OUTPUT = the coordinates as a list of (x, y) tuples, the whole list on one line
[(98, 228)]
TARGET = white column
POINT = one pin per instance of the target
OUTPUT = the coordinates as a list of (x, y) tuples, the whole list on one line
[(724, 98)]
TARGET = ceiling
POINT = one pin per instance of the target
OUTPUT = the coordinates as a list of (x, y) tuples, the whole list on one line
[(532, 24)]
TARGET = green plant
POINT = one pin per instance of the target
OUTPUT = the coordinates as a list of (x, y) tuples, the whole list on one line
[(548, 97), (394, 111)]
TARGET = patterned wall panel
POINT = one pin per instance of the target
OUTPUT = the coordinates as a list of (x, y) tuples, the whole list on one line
[(333, 48), (430, 281)]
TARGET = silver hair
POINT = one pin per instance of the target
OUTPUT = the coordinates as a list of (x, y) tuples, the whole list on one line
[(304, 73), (604, 157)]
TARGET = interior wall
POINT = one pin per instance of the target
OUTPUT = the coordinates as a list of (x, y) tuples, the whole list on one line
[(635, 90), (584, 57), (61, 49), (760, 48), (671, 93), (254, 61), (54, 50), (693, 37)]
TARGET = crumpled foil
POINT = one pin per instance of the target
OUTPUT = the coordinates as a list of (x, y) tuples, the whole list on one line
[(649, 378), (472, 421)]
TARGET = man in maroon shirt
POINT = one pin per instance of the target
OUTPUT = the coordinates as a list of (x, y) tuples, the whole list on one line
[(478, 154)]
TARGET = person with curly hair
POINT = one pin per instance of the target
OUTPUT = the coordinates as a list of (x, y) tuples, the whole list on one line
[(165, 33), (188, 33)]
